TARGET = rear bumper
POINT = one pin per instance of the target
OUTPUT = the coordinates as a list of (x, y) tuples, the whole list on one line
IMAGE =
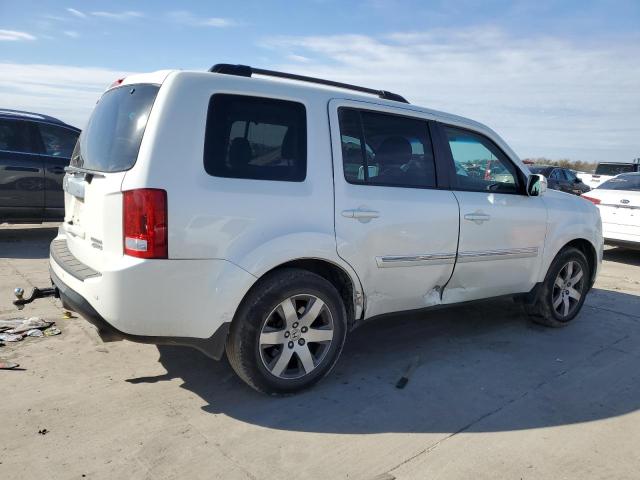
[(154, 299), (212, 347)]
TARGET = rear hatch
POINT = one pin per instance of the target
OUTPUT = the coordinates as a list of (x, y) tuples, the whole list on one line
[(106, 149)]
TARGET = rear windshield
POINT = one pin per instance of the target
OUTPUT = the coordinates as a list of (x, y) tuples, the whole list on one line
[(111, 140), (614, 168), (623, 182)]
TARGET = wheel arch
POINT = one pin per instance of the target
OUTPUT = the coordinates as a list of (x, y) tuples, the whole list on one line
[(589, 250), (347, 283), (582, 244)]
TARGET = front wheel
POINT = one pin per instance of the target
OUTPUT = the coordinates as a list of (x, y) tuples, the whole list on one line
[(288, 332), (563, 291)]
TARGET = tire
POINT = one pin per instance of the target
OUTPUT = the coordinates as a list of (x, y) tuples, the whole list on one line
[(561, 288), (273, 345)]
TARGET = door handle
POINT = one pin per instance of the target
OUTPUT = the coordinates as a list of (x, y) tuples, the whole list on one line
[(477, 217), (361, 214)]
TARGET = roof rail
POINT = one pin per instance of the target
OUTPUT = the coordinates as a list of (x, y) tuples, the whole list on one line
[(247, 71)]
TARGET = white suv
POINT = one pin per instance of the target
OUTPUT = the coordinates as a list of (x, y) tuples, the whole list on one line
[(268, 217)]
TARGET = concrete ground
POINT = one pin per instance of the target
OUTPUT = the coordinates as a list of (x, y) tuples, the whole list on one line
[(494, 396)]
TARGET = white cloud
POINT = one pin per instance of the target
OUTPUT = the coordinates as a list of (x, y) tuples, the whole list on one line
[(15, 36), (56, 18), (76, 13), (188, 18), (546, 96), (118, 15), (66, 92), (298, 58), (71, 33)]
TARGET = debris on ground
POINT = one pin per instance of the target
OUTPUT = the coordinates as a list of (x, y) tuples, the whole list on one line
[(43, 431), (67, 314), (15, 329), (9, 337), (19, 325), (405, 378), (9, 324), (50, 332), (4, 365)]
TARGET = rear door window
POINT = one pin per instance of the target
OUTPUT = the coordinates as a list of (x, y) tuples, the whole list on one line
[(15, 136), (111, 140), (386, 149), (57, 141), (256, 138)]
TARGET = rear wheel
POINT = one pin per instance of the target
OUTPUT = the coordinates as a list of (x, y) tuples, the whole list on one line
[(288, 333), (563, 291)]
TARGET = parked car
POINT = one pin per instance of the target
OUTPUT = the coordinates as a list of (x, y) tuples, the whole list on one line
[(619, 202), (562, 179), (607, 170), (233, 213), (34, 150)]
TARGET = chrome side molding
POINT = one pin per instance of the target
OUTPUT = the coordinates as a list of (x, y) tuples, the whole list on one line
[(415, 260), (448, 258), (505, 254)]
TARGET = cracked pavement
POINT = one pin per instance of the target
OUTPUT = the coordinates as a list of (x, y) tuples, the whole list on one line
[(493, 396)]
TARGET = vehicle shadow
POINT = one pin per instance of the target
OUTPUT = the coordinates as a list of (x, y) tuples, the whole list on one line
[(27, 242), (622, 255), (481, 367)]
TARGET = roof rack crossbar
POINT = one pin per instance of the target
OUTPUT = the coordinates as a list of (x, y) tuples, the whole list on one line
[(247, 71)]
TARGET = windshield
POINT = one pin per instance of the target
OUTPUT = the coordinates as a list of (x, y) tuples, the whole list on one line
[(622, 182), (112, 138), (614, 168)]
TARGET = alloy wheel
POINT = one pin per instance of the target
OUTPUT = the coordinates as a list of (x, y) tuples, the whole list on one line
[(567, 289), (296, 336)]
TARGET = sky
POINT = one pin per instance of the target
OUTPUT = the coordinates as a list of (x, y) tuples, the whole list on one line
[(556, 79)]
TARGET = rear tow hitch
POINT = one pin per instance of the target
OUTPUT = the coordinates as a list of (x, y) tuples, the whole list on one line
[(36, 293)]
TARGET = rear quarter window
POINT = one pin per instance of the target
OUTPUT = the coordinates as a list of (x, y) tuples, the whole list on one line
[(256, 138)]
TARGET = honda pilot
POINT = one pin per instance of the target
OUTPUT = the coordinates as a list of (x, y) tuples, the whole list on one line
[(264, 215)]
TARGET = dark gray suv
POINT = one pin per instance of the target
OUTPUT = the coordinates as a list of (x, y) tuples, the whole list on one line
[(562, 179), (34, 149)]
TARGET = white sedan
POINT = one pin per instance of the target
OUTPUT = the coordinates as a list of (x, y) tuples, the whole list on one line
[(619, 202)]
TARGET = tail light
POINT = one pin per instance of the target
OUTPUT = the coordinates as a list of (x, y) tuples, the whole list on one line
[(144, 218), (593, 200)]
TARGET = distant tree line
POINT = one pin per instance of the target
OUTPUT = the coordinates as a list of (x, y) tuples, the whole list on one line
[(577, 165)]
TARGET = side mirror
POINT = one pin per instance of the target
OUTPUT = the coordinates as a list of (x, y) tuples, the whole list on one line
[(536, 185)]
